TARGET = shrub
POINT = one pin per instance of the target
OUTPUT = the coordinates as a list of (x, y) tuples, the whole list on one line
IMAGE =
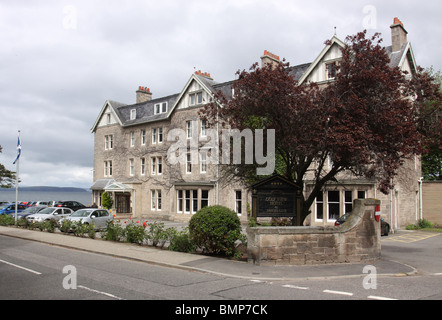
[(180, 241), (134, 233), (48, 225), (7, 220), (66, 226), (90, 229), (423, 223), (215, 229), (113, 232), (79, 228)]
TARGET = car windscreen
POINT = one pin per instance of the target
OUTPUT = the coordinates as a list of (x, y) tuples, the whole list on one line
[(46, 211), (81, 213)]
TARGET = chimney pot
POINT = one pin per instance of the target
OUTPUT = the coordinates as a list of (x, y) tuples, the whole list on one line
[(143, 94), (398, 35), (269, 58)]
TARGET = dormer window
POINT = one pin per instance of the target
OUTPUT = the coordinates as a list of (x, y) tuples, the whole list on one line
[(133, 114), (160, 107)]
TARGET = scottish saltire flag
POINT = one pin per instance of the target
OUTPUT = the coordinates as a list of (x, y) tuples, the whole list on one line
[(18, 150)]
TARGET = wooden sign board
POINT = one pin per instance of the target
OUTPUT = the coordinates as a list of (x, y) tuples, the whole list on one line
[(276, 197)]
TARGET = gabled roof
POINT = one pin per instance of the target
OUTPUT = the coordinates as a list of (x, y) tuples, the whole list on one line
[(145, 111), (113, 106), (334, 40), (398, 58)]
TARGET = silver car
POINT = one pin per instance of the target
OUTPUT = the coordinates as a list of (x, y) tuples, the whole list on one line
[(99, 217), (50, 213)]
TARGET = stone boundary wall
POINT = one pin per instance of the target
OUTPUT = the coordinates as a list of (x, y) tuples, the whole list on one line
[(356, 240)]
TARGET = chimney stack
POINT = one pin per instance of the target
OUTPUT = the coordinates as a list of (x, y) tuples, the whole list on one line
[(269, 58), (398, 35), (143, 94)]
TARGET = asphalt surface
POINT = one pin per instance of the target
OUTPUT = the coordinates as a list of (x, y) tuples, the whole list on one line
[(208, 264)]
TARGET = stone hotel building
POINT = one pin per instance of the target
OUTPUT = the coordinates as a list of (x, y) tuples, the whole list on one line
[(131, 160)]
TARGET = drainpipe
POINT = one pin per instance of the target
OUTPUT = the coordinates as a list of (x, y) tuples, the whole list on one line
[(420, 197), (391, 211)]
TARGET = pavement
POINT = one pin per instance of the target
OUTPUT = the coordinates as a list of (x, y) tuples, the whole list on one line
[(207, 264)]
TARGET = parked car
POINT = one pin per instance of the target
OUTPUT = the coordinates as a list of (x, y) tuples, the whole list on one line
[(38, 203), (99, 217), (29, 211), (50, 213), (10, 208), (385, 227), (74, 205)]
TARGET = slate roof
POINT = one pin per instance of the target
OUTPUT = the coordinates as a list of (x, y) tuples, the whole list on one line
[(145, 110)]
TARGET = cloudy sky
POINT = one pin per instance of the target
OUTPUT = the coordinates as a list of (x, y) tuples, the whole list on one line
[(61, 60)]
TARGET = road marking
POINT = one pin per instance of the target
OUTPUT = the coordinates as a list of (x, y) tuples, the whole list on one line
[(338, 292), (20, 267), (411, 237), (380, 298), (100, 292), (294, 287)]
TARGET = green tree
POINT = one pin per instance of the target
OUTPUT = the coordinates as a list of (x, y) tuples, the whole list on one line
[(106, 200), (431, 122), (7, 178)]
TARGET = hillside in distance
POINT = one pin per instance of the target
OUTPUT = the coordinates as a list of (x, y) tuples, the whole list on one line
[(49, 189)]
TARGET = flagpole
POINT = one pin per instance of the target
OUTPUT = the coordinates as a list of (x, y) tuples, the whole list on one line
[(16, 181)]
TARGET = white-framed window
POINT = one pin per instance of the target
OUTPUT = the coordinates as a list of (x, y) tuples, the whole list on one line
[(157, 135), (131, 167), (348, 201), (133, 114), (187, 194), (333, 204), (143, 137), (203, 128), (143, 166), (180, 201), (108, 168), (362, 194), (161, 107), (154, 165), (320, 206), (204, 198), (188, 162), (189, 201), (155, 200), (196, 98), (160, 135), (203, 161), (238, 202), (108, 142), (189, 129), (108, 118), (194, 201), (132, 139), (157, 165), (154, 135)]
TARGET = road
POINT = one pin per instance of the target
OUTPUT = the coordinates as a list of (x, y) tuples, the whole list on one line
[(32, 270)]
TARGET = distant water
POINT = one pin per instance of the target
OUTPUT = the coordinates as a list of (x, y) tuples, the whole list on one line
[(82, 197)]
